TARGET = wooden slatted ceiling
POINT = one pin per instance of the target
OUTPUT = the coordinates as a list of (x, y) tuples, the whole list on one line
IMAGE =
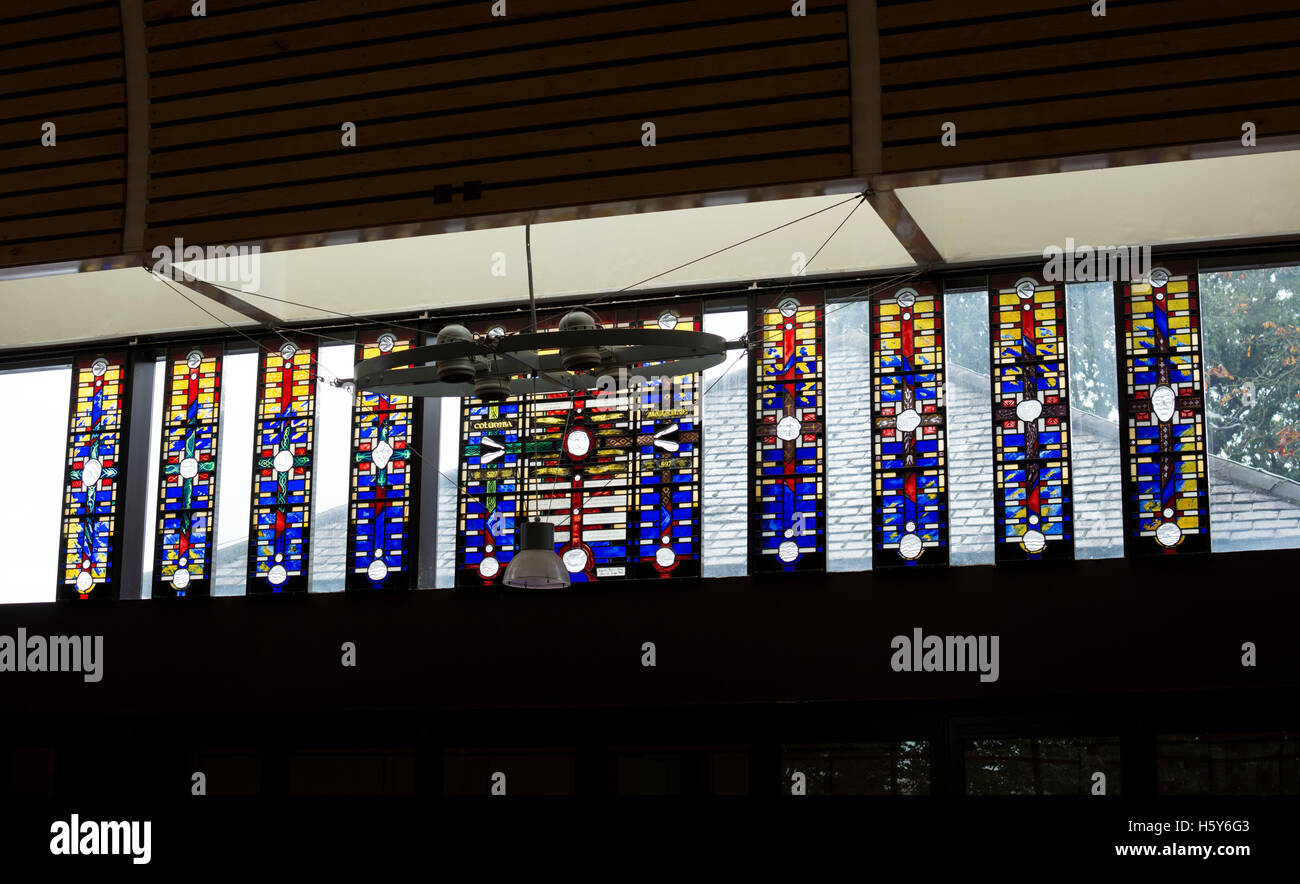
[(1025, 79), (542, 108), (61, 62)]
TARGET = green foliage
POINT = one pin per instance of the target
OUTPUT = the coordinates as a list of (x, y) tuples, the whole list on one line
[(1251, 321)]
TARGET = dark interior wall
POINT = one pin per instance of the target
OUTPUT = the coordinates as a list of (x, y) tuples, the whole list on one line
[(1097, 627)]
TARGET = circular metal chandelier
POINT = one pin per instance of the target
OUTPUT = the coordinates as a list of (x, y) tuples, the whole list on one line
[(497, 365)]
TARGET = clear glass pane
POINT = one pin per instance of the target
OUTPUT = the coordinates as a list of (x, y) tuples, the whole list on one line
[(234, 472), (1228, 764), (726, 491), (32, 452), (1043, 766), (848, 435), (1094, 417), (970, 428), (150, 514), (331, 470), (1251, 340), (876, 768), (448, 463)]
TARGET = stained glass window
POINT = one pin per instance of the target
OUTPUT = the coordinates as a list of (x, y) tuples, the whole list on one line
[(187, 473), (616, 469), (96, 466), (382, 542), (1162, 417), (909, 433), (1033, 501), (788, 502), (283, 448)]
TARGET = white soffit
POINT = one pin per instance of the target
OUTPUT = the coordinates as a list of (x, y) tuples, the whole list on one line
[(97, 306), (1155, 204), (594, 255), (457, 270)]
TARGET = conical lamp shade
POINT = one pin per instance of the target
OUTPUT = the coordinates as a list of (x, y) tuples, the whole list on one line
[(536, 566)]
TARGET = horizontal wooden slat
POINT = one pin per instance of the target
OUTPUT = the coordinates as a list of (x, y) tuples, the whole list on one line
[(1017, 89), (64, 249), (471, 152), (62, 52), (1077, 22), (65, 150), (581, 191), (64, 176), (293, 15), (57, 27), (1100, 110), (61, 201), (60, 226), (987, 65), (1068, 141), (45, 105), (517, 29), (530, 92), (933, 12), (447, 41), (511, 64), (29, 131), (56, 76), (505, 173), (460, 123), (13, 10)]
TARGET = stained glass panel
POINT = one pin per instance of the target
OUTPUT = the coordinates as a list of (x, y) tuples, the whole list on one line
[(283, 449), (788, 503), (1033, 498), (909, 432), (96, 466), (1162, 414), (615, 468), (187, 473), (382, 541)]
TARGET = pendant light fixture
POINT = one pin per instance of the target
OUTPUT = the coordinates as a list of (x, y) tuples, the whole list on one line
[(536, 565)]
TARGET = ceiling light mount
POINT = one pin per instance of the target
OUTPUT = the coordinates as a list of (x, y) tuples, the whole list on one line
[(495, 366)]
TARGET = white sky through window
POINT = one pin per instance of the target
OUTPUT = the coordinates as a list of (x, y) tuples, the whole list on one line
[(32, 454)]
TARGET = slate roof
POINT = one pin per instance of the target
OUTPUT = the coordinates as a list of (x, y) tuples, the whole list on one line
[(1251, 508)]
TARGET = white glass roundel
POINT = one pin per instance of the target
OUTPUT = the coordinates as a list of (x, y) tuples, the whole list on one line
[(578, 443), (1029, 410), (1168, 534), (1163, 400), (788, 429), (575, 560), (489, 567), (788, 551), (908, 420), (665, 556), (909, 546)]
